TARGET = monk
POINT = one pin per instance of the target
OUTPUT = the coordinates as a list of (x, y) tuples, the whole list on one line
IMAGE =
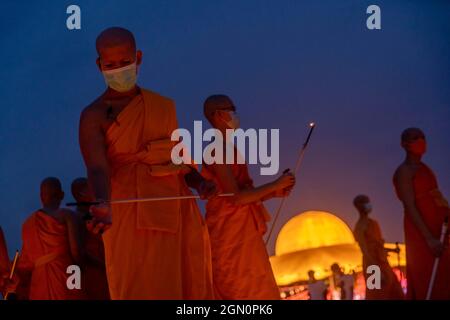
[(5, 265), (317, 289), (425, 211), (241, 267), (51, 243), (153, 250), (4, 257), (342, 283), (368, 235), (94, 281)]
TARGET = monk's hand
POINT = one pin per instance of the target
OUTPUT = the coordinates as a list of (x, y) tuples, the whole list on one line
[(101, 218), (286, 181), (436, 246), (9, 285), (207, 189)]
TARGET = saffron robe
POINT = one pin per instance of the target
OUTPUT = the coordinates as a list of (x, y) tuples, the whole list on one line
[(46, 254), (241, 267), (433, 208), (390, 286), (153, 250)]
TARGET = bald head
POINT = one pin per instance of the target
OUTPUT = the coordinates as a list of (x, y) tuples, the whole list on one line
[(336, 268), (216, 102), (412, 134), (116, 48), (362, 198), (51, 192), (362, 204), (115, 37), (80, 190)]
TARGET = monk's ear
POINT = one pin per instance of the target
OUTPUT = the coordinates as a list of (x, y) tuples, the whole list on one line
[(138, 57), (98, 64)]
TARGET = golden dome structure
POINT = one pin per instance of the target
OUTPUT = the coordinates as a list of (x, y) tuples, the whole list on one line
[(312, 229), (314, 240)]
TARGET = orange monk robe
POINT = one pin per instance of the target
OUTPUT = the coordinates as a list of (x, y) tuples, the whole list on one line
[(5, 265), (433, 208), (154, 250), (46, 254), (390, 286), (4, 257), (94, 281), (241, 267)]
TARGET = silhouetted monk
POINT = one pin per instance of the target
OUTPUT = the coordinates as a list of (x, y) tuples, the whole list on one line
[(153, 250), (94, 282), (368, 235), (425, 211), (241, 267), (5, 265), (317, 289), (4, 257), (51, 243), (343, 283)]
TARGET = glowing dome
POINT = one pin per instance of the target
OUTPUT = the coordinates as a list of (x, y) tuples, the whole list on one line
[(314, 240), (312, 229)]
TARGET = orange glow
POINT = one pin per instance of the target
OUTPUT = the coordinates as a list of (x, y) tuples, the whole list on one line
[(314, 240), (312, 229)]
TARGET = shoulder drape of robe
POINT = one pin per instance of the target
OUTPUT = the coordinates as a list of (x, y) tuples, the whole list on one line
[(154, 250), (433, 208), (46, 254)]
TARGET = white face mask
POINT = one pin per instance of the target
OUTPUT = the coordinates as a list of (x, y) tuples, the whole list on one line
[(121, 79), (234, 122)]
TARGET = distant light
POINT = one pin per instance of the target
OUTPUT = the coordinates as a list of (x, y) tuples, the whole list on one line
[(312, 124)]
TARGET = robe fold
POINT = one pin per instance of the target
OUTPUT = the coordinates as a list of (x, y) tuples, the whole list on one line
[(241, 267), (154, 250), (433, 208), (46, 254), (390, 286)]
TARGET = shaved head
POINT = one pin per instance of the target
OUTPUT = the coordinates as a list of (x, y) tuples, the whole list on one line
[(116, 48), (80, 189), (51, 192), (115, 37), (359, 199), (412, 134), (335, 267), (216, 102)]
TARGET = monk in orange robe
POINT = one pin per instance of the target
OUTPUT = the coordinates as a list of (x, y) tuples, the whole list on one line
[(241, 267), (4, 257), (5, 265), (50, 245), (425, 211), (368, 235), (153, 250), (94, 281), (7, 286)]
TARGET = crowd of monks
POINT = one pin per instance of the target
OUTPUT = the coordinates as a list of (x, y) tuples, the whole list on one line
[(166, 249)]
